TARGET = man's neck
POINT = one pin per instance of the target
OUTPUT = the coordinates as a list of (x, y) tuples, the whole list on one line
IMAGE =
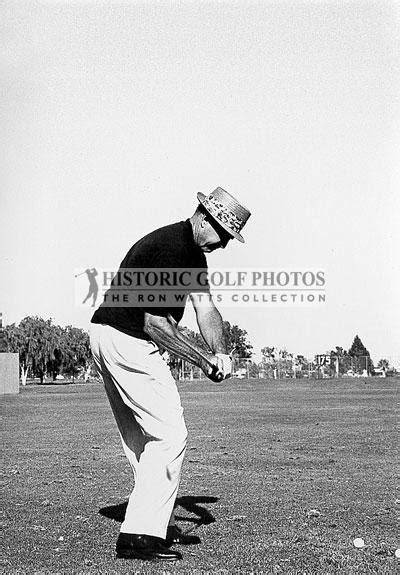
[(196, 228)]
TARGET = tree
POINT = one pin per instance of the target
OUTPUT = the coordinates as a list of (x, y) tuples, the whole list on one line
[(276, 362), (44, 347), (35, 341), (42, 343), (56, 361), (252, 369), (360, 356), (383, 364), (300, 364), (285, 364), (237, 339), (357, 348), (343, 358), (268, 361), (301, 361), (76, 351), (268, 354)]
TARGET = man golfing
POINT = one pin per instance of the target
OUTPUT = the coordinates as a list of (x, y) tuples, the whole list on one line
[(127, 345)]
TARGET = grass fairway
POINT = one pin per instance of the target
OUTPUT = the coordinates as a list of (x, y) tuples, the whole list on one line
[(279, 477)]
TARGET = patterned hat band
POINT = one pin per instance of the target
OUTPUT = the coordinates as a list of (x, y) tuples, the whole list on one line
[(222, 213), (226, 210)]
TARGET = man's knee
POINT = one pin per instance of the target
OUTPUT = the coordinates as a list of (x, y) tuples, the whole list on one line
[(177, 446), (176, 437)]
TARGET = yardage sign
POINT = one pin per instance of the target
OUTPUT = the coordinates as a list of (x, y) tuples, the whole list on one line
[(323, 359)]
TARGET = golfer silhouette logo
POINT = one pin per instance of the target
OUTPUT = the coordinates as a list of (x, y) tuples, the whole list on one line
[(93, 287)]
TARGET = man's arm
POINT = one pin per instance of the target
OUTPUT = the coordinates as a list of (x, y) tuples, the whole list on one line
[(209, 321), (164, 332)]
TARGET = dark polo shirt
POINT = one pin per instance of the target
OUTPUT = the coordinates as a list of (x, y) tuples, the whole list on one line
[(172, 246)]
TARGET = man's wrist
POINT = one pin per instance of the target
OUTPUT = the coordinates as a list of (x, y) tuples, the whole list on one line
[(226, 362), (219, 348)]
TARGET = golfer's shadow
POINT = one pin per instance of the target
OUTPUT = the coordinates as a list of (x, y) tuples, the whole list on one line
[(190, 503)]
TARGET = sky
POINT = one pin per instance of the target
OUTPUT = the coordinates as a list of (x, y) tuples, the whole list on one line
[(115, 114)]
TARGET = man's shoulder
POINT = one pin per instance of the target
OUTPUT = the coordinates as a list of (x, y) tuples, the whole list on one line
[(172, 244), (177, 231), (174, 238)]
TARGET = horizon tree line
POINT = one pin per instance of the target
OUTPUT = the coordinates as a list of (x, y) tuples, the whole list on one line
[(47, 349)]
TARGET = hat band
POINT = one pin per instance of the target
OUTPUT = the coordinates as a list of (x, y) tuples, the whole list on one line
[(220, 211)]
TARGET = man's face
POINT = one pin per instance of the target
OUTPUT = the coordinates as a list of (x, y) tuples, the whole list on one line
[(214, 236)]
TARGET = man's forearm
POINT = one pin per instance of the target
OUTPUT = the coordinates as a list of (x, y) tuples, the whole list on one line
[(211, 328), (165, 334)]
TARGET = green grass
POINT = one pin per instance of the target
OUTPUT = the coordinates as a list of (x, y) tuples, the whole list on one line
[(261, 456)]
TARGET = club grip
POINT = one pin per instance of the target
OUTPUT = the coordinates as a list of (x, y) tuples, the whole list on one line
[(215, 374)]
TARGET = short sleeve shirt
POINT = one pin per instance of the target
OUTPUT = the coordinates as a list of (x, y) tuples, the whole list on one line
[(172, 246)]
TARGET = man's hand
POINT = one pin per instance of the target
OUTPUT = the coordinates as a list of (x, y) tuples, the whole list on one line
[(226, 361), (215, 371)]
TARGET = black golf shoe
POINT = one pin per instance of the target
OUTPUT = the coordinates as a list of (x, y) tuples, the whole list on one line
[(175, 536), (144, 547)]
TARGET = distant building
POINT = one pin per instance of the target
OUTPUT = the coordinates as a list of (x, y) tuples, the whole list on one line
[(9, 366), (2, 338)]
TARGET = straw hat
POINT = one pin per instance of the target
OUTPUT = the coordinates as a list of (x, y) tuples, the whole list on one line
[(226, 210)]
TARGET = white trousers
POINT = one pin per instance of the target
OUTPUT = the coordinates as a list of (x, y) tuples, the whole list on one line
[(148, 411)]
